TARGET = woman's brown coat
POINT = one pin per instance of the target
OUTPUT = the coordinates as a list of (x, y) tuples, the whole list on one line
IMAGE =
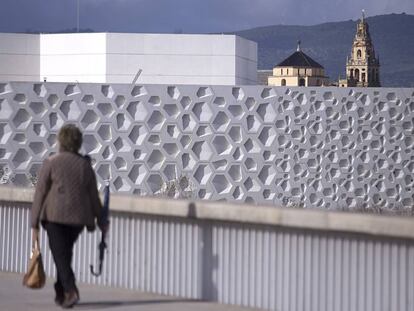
[(66, 191)]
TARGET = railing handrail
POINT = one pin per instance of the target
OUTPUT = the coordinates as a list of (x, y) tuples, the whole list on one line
[(308, 219)]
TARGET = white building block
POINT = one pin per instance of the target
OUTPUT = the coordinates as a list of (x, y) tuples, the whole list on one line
[(117, 57)]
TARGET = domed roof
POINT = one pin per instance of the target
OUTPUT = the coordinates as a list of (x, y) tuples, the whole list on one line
[(299, 59)]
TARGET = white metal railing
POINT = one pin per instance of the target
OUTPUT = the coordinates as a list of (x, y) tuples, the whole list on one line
[(275, 259)]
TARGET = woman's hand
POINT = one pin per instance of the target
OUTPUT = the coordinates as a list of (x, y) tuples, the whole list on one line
[(104, 228)]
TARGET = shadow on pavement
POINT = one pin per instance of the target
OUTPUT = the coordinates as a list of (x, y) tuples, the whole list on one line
[(112, 304)]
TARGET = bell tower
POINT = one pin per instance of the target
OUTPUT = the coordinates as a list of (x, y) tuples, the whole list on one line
[(362, 68)]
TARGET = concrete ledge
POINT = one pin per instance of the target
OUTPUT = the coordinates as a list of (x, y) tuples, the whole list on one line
[(390, 226), (15, 194)]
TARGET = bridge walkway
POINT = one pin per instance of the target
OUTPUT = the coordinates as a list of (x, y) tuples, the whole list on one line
[(14, 297)]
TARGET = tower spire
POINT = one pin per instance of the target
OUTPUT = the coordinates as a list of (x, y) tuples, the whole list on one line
[(298, 48), (363, 15)]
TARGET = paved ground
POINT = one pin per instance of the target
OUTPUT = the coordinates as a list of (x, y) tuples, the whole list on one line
[(14, 297)]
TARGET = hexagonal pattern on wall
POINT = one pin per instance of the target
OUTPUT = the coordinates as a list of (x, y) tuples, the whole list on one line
[(316, 147)]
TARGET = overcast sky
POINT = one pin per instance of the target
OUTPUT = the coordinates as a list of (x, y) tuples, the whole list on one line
[(188, 16)]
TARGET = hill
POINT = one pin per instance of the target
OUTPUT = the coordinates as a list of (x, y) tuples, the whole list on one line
[(330, 43)]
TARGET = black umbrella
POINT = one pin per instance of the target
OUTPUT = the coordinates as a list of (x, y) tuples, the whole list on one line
[(103, 220)]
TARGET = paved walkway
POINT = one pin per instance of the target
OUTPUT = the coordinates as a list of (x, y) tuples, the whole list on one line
[(14, 297)]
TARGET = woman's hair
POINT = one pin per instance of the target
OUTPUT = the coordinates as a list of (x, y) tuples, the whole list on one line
[(70, 138)]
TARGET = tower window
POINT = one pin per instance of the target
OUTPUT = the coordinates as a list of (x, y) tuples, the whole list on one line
[(357, 74), (359, 53), (302, 82), (363, 77), (283, 82), (281, 72)]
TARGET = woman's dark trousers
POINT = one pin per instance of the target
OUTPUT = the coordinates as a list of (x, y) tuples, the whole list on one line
[(61, 241)]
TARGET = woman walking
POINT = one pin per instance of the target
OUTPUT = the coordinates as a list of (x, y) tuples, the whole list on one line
[(65, 201)]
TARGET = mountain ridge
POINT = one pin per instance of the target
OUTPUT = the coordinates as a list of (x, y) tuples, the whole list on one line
[(329, 44)]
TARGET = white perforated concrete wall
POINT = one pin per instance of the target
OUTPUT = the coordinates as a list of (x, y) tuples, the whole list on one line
[(317, 147)]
